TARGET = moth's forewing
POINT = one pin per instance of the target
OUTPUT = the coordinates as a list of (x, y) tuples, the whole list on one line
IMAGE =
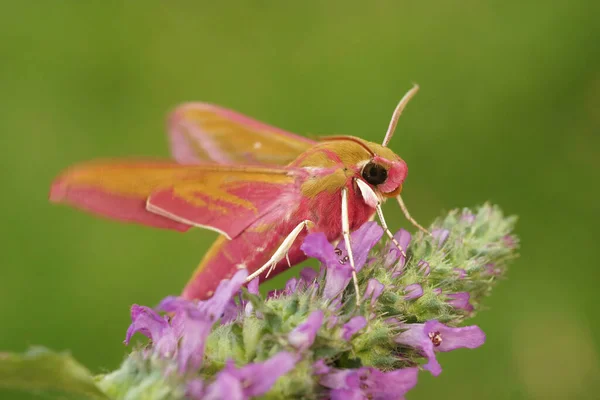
[(200, 132), (173, 196)]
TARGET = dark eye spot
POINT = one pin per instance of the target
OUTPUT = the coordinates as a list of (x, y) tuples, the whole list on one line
[(375, 174)]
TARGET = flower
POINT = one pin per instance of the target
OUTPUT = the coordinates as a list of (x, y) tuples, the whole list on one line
[(424, 268), (393, 253), (433, 336), (460, 272), (254, 379), (374, 290), (413, 291), (147, 322), (303, 336), (370, 383), (440, 236), (460, 300), (351, 327), (320, 367), (193, 321), (308, 275), (468, 217), (339, 271)]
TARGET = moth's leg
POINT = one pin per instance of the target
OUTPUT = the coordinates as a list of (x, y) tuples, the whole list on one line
[(346, 235), (372, 199), (281, 251), (409, 218), (387, 230)]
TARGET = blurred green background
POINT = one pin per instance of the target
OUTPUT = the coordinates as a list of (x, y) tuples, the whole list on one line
[(508, 112)]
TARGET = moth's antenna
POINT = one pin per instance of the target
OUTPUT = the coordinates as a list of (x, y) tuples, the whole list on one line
[(397, 112)]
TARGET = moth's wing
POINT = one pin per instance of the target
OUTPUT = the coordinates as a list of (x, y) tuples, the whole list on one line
[(174, 196), (205, 133)]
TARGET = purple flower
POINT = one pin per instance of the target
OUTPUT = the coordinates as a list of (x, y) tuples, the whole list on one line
[(509, 241), (437, 291), (351, 327), (440, 236), (460, 272), (393, 253), (460, 300), (374, 290), (320, 367), (468, 217), (434, 336), (339, 271), (193, 321), (424, 268), (194, 389), (413, 291), (252, 289), (490, 269), (370, 383), (303, 336), (147, 322), (225, 386), (251, 380), (308, 275)]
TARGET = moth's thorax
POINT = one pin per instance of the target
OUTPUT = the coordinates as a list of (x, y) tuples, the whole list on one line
[(331, 165)]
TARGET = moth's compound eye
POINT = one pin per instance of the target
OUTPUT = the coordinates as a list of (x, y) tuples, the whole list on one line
[(375, 174)]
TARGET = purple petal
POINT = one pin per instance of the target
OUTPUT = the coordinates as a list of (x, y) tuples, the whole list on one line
[(490, 269), (509, 241), (460, 272), (460, 301), (258, 378), (468, 217), (308, 275), (196, 328), (413, 291), (362, 240), (225, 386), (147, 322), (353, 326), (290, 286), (469, 337), (195, 389), (303, 336), (440, 236), (317, 246), (253, 286), (320, 367), (374, 290), (370, 383), (423, 267), (437, 291), (393, 253), (434, 336), (346, 394)]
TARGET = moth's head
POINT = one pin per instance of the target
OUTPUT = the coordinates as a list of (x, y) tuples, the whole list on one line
[(386, 170), (385, 173)]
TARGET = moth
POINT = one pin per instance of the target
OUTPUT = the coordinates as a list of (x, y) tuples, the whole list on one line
[(261, 188)]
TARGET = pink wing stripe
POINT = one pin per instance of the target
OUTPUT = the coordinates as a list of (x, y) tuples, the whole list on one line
[(220, 215), (123, 208)]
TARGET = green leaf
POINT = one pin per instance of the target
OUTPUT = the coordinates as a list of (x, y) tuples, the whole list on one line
[(41, 370)]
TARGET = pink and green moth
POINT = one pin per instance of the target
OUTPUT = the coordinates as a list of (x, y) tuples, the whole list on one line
[(261, 188)]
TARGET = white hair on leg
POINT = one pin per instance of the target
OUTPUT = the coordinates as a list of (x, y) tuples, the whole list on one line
[(281, 251)]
